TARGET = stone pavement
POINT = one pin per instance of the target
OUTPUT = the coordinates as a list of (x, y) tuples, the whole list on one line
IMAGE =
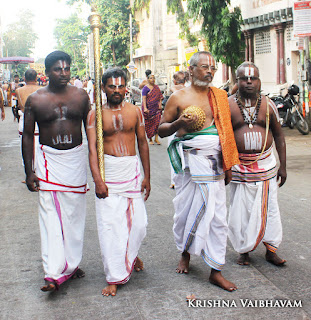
[(157, 292)]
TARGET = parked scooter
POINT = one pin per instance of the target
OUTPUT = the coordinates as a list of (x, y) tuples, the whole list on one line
[(290, 110)]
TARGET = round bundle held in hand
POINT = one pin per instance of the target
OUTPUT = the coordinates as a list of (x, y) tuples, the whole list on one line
[(194, 110)]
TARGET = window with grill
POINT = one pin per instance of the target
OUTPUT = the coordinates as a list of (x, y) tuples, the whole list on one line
[(262, 41)]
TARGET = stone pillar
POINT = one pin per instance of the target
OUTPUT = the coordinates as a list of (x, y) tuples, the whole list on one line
[(280, 72), (282, 55), (246, 33), (250, 46)]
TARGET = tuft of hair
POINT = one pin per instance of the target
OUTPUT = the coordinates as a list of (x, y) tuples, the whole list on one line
[(246, 64), (113, 73), (148, 72), (194, 60), (30, 75), (54, 57)]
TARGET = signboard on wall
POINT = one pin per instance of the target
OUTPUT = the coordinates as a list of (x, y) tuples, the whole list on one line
[(302, 19), (189, 53)]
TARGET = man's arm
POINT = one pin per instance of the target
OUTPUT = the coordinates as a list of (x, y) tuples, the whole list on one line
[(19, 99), (87, 109), (170, 122), (142, 84), (143, 149), (27, 146), (101, 189), (280, 145)]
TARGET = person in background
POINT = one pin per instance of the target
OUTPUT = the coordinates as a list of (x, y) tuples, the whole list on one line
[(145, 82), (152, 108)]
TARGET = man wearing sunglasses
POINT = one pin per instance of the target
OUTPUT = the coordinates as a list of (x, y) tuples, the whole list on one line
[(254, 214), (202, 160)]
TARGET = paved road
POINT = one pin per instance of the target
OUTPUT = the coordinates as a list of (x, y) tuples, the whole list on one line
[(158, 292)]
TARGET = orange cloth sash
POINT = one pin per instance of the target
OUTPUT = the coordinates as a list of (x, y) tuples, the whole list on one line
[(218, 100)]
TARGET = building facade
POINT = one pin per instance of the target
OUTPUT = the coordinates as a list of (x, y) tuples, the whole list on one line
[(270, 42)]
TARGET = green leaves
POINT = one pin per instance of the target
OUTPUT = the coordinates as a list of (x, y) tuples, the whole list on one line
[(20, 38), (220, 27), (71, 35)]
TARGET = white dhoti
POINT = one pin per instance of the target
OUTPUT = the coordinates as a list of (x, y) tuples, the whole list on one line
[(200, 225), (62, 210), (121, 218), (254, 214)]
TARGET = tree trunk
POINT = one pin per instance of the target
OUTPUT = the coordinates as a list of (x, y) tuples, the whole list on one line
[(113, 55)]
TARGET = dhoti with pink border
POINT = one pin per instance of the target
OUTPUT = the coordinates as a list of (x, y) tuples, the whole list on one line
[(62, 210), (121, 218)]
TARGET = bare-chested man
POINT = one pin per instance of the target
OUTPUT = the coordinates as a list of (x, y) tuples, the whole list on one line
[(202, 160), (60, 178), (254, 214), (178, 80), (120, 208), (22, 94)]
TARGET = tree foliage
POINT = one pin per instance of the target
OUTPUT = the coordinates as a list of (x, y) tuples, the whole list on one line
[(182, 17), (140, 4), (71, 35), (115, 32), (220, 27), (20, 38)]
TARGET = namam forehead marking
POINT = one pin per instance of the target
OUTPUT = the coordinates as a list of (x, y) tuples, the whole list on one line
[(62, 64), (209, 59), (117, 81), (249, 71)]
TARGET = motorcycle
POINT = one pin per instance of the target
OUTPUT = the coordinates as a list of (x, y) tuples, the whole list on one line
[(290, 110)]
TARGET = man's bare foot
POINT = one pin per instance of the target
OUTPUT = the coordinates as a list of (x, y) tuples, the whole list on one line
[(78, 274), (110, 290), (183, 265), (172, 186), (157, 142), (244, 259), (218, 279), (273, 258), (151, 142), (48, 287), (139, 265)]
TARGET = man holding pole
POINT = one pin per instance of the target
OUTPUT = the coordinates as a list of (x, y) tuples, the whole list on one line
[(120, 208), (60, 178)]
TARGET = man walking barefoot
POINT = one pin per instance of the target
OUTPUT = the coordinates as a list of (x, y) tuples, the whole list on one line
[(120, 207), (203, 160), (254, 214), (60, 178)]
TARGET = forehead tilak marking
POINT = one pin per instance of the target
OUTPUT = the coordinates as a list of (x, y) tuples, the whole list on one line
[(116, 81), (249, 71)]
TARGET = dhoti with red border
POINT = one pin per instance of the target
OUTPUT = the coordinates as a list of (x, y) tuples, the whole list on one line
[(62, 210)]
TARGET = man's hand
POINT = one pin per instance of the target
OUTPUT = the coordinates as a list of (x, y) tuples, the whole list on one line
[(186, 120), (145, 185), (101, 190), (282, 175), (32, 183), (228, 176)]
